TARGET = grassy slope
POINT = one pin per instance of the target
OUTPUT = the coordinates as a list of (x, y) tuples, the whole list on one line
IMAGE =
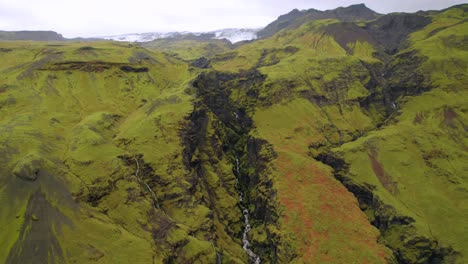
[(77, 122), (425, 151), (322, 214), (320, 218), (425, 158), (187, 49), (54, 103)]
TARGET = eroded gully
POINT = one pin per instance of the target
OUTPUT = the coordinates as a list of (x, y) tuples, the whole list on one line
[(254, 258)]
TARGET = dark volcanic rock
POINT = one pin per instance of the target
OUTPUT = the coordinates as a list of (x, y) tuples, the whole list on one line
[(127, 68), (202, 62), (346, 32), (391, 30)]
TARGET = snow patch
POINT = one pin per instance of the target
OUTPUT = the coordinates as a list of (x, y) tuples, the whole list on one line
[(234, 35)]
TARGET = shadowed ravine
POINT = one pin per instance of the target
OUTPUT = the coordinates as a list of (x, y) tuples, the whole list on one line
[(247, 227), (154, 198)]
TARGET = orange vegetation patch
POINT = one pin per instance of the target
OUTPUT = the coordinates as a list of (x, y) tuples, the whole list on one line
[(325, 218), (383, 176)]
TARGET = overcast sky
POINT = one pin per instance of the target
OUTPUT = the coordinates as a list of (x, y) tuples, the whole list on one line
[(88, 18)]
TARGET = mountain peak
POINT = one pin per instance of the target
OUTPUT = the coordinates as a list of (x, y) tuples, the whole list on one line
[(357, 7), (296, 18), (361, 5), (353, 13)]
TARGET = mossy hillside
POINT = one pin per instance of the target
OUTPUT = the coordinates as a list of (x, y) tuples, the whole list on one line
[(297, 103), (308, 215), (189, 49), (51, 110), (302, 66), (420, 159), (421, 178), (285, 44), (445, 45), (339, 114), (88, 118), (280, 88)]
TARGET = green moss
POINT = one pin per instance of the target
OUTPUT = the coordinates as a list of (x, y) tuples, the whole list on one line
[(189, 49), (202, 251)]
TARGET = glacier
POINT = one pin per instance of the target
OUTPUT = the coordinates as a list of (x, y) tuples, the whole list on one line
[(234, 35)]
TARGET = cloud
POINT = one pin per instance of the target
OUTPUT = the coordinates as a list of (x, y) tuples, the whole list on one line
[(103, 17)]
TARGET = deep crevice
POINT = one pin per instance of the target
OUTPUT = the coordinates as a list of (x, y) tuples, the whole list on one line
[(232, 123)]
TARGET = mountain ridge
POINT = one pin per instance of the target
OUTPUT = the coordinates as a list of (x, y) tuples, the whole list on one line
[(292, 19), (295, 18), (31, 35)]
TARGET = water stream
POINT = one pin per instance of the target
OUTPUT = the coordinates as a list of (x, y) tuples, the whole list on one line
[(254, 258), (153, 195)]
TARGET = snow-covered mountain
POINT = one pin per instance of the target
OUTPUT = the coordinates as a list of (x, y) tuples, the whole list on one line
[(232, 34), (235, 34)]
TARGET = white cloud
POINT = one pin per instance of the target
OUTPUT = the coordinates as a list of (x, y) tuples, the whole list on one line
[(103, 17)]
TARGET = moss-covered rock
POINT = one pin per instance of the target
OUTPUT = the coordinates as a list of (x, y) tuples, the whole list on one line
[(28, 167)]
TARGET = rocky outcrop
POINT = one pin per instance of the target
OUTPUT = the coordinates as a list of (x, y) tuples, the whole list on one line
[(28, 168), (202, 63), (388, 33), (392, 30)]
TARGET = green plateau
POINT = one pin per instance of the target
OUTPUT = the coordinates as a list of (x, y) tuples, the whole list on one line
[(338, 136)]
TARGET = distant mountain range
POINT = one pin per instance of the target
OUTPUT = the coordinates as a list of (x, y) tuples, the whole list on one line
[(31, 35), (292, 19), (38, 35), (232, 34)]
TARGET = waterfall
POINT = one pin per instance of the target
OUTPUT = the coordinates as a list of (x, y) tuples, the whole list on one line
[(247, 227), (153, 195)]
